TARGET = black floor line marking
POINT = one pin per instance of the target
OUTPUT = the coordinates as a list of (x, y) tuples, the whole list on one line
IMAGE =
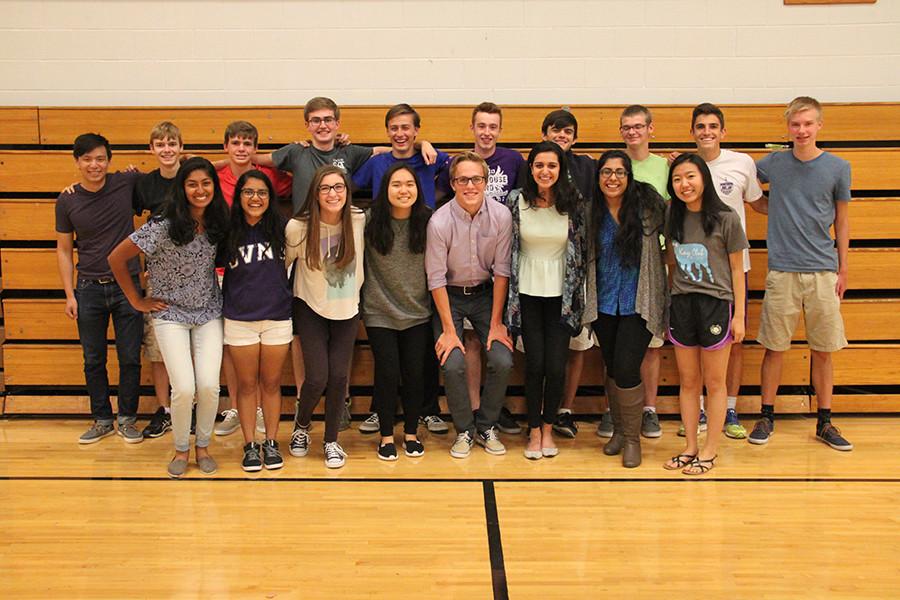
[(277, 479), (495, 544)]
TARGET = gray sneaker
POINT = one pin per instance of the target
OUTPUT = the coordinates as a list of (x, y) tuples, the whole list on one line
[(177, 468), (130, 433), (371, 424), (207, 464), (434, 424), (650, 425), (490, 441), (605, 426), (96, 432), (462, 447)]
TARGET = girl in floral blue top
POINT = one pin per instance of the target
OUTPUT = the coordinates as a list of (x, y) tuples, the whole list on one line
[(180, 249)]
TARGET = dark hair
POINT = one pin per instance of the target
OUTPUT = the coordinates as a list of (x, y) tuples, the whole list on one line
[(311, 214), (402, 109), (241, 129), (489, 108), (559, 119), (379, 233), (271, 224), (88, 142), (182, 227), (565, 195), (710, 204), (707, 108), (638, 200)]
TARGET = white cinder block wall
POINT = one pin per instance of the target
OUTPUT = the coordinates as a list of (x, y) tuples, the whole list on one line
[(198, 52)]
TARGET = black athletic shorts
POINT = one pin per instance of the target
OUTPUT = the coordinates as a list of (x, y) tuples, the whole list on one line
[(700, 320)]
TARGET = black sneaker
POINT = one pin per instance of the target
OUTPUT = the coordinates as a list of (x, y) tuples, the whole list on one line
[(507, 424), (762, 431), (252, 461), (300, 441), (565, 425), (387, 451), (160, 422), (271, 455), (413, 448), (831, 435)]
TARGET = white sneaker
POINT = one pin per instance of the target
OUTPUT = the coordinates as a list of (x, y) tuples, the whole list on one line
[(300, 442), (260, 421), (335, 457), (229, 423), (462, 447), (435, 424), (370, 425)]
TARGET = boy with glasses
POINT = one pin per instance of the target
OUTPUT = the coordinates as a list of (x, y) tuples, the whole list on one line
[(467, 260)]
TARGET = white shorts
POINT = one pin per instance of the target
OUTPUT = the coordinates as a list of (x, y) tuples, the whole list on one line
[(656, 342), (267, 333), (584, 340)]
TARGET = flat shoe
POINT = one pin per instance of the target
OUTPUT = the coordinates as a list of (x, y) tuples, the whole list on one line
[(534, 454), (177, 468), (679, 462), (550, 452), (699, 466), (207, 465)]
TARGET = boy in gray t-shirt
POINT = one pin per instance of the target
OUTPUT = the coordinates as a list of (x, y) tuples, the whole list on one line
[(809, 191)]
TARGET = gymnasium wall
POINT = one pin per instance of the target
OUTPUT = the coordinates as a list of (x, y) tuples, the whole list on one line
[(264, 52)]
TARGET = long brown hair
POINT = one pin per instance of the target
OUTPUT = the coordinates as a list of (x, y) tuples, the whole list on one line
[(311, 214)]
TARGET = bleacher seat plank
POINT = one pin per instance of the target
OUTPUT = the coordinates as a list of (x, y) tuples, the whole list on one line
[(870, 268), (449, 123), (30, 268), (27, 220), (20, 125), (874, 364), (870, 219), (861, 403)]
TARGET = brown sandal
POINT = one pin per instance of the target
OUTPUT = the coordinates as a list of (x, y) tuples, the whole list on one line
[(679, 462), (704, 466)]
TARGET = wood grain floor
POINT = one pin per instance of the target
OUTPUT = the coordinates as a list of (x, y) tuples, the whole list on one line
[(794, 519)]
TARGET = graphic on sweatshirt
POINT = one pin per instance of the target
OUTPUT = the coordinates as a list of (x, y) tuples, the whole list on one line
[(341, 282), (693, 261)]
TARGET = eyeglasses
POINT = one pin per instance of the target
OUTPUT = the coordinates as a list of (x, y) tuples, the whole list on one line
[(337, 188), (464, 181), (637, 128), (319, 120), (606, 173), (248, 193)]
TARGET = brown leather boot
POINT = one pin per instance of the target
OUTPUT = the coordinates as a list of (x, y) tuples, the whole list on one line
[(617, 441), (631, 411)]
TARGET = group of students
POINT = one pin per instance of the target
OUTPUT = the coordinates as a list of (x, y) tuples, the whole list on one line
[(553, 253)]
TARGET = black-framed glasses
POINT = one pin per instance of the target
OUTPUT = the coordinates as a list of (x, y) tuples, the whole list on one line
[(337, 188), (464, 181), (248, 193), (319, 120), (606, 173), (638, 128)]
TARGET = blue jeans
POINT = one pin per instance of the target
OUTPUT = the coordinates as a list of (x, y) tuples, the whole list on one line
[(97, 302)]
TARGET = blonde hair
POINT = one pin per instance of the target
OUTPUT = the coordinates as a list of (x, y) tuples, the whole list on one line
[(166, 130), (467, 156), (801, 103)]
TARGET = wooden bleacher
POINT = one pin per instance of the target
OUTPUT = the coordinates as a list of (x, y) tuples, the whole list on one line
[(41, 359)]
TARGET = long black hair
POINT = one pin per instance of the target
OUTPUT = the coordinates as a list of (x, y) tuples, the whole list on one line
[(182, 227), (640, 199), (271, 224), (711, 206), (564, 192), (379, 233)]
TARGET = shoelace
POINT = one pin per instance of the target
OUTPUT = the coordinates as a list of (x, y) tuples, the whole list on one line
[(491, 435), (332, 450), (300, 437), (228, 412)]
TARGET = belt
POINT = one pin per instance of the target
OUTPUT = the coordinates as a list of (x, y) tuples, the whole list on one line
[(468, 290), (100, 280)]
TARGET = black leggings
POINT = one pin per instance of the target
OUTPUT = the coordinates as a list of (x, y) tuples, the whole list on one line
[(327, 346), (623, 341), (546, 343), (399, 354)]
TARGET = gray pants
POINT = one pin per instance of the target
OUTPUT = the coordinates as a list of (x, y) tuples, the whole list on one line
[(477, 308)]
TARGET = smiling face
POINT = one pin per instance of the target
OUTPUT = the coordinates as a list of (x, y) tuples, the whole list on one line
[(613, 179), (254, 199), (636, 131), (803, 127), (240, 151), (564, 137), (402, 191), (198, 189), (167, 151), (545, 171), (486, 127), (687, 182), (323, 127), (708, 133), (93, 166), (469, 194), (332, 198), (402, 132)]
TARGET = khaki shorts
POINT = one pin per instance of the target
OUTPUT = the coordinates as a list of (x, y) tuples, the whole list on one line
[(656, 342), (151, 347), (813, 293), (267, 333)]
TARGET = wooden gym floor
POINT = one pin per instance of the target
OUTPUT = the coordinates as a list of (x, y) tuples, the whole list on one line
[(794, 519)]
